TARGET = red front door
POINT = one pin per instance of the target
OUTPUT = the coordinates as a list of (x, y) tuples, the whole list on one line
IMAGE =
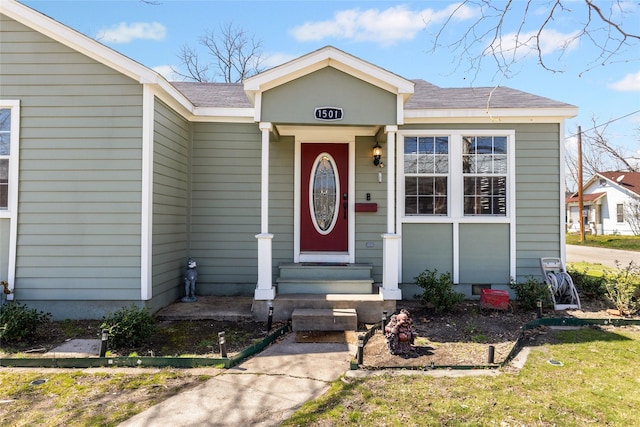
[(324, 198)]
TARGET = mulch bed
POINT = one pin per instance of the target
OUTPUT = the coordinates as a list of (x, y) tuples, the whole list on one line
[(460, 337), (463, 336)]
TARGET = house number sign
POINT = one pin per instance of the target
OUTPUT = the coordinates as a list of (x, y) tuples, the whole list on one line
[(328, 113)]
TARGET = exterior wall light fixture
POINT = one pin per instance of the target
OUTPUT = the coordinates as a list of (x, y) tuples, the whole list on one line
[(377, 154)]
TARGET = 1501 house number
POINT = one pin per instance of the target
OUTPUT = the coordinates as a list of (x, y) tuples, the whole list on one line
[(328, 113)]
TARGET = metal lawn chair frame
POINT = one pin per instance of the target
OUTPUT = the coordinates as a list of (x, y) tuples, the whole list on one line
[(561, 286)]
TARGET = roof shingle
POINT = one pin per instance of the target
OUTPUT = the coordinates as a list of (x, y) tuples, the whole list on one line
[(426, 96)]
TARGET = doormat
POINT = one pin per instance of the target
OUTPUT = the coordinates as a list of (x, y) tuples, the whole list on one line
[(322, 336)]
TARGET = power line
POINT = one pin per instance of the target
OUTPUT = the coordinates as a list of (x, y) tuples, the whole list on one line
[(606, 123)]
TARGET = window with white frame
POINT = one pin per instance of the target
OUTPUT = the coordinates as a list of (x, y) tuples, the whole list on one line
[(456, 173), (5, 153), (619, 212), (484, 167), (426, 172), (8, 155)]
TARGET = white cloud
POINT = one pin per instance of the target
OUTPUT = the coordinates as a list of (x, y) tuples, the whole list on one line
[(125, 32), (520, 45), (385, 27), (167, 72), (274, 59), (630, 83)]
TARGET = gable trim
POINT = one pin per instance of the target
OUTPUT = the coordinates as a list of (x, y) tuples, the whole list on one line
[(328, 56)]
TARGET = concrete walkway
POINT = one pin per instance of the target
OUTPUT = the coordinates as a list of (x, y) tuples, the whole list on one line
[(262, 391), (604, 256)]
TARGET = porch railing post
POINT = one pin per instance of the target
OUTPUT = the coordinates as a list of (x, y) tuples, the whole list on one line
[(391, 240), (390, 251), (264, 288)]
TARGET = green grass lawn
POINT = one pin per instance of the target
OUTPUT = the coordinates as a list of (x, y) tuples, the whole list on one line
[(627, 243), (596, 385), (73, 398)]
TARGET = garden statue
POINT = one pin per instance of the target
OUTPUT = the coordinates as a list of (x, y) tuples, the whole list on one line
[(399, 333), (190, 277)]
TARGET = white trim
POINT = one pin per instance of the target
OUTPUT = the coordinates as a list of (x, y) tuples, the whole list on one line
[(390, 266), (326, 133), (391, 177), (12, 202), (400, 111), (257, 107), (264, 288), (146, 220), (223, 115), (324, 57), (265, 128), (563, 199), (455, 190), (455, 235), (493, 115)]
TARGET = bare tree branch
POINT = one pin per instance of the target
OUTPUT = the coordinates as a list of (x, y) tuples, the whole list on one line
[(234, 56), (194, 70), (618, 155), (613, 32), (599, 155)]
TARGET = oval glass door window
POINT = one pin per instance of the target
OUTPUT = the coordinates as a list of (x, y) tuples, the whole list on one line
[(324, 186)]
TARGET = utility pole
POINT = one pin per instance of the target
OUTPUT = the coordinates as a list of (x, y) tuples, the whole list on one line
[(580, 198)]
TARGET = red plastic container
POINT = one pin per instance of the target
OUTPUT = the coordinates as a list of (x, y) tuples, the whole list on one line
[(495, 299)]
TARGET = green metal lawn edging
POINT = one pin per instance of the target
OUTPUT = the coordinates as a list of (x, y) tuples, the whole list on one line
[(574, 321), (144, 362), (555, 321)]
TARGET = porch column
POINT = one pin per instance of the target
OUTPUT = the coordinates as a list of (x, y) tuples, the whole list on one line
[(264, 289), (391, 240)]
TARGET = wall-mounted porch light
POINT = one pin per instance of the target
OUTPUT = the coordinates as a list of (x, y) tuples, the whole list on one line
[(377, 154)]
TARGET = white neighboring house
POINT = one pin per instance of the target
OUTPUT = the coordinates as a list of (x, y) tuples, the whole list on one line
[(611, 204)]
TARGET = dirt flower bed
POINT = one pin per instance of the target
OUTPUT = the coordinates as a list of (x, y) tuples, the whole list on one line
[(172, 338), (459, 337), (463, 336)]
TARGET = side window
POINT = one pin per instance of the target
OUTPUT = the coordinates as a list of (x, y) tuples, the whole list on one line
[(5, 153), (484, 169), (426, 175), (9, 126), (620, 212)]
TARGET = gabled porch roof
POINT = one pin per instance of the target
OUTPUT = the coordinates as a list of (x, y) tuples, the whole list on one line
[(328, 56)]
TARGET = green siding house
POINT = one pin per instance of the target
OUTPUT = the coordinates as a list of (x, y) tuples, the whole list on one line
[(326, 176)]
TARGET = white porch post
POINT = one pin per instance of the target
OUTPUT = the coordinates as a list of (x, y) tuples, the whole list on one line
[(264, 289), (391, 240)]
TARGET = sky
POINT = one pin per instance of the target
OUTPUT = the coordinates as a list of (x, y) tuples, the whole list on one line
[(399, 37)]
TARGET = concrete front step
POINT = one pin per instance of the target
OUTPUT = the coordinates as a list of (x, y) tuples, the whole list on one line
[(316, 286), (369, 307), (325, 271), (324, 319), (324, 278)]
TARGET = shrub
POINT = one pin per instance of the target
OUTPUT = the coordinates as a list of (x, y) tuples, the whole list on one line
[(623, 288), (529, 292), (129, 327), (588, 286), (18, 322), (437, 291)]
